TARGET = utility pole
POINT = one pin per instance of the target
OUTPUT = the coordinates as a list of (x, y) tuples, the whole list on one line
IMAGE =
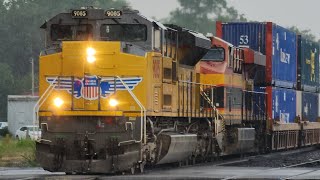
[(32, 75)]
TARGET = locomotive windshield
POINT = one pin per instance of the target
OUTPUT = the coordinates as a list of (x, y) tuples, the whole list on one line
[(214, 54), (123, 32), (71, 32)]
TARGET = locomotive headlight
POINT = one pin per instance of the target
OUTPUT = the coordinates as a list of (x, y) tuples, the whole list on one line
[(113, 102), (58, 102), (91, 59), (91, 51), (90, 55)]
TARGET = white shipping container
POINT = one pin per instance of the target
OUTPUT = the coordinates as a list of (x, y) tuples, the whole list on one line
[(20, 111)]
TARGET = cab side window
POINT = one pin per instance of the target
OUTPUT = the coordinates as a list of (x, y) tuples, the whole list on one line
[(216, 54), (157, 40), (170, 43)]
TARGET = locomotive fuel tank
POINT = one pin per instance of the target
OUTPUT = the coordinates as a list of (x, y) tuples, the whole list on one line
[(174, 147)]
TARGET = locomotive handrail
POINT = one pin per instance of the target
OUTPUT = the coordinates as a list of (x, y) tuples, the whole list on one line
[(39, 103), (197, 83), (143, 116), (216, 111), (217, 115)]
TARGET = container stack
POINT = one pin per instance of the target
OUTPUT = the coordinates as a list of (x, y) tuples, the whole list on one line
[(279, 45), (308, 79)]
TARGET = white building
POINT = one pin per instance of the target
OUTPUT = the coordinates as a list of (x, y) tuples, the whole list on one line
[(20, 111)]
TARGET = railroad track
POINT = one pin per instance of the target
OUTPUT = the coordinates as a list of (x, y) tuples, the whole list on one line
[(271, 170), (303, 164), (220, 169), (229, 160)]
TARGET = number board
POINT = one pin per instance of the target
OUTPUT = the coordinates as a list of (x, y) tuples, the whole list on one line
[(79, 13), (113, 13)]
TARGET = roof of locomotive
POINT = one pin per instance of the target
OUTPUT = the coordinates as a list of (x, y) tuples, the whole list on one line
[(126, 15)]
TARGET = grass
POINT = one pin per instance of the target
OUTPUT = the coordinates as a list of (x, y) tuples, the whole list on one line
[(17, 153)]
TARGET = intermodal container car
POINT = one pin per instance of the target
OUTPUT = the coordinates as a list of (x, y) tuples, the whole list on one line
[(308, 65), (281, 103), (277, 43)]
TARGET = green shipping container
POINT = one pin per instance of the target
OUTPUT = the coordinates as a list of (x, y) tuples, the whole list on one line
[(308, 65)]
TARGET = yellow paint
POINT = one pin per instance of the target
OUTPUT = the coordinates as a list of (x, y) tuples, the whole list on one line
[(231, 80), (158, 94), (71, 62)]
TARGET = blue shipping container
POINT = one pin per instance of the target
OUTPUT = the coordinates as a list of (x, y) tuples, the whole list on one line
[(309, 106), (276, 42), (308, 65), (282, 103)]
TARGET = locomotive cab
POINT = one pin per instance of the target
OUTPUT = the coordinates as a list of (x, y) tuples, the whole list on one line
[(222, 67), (90, 24)]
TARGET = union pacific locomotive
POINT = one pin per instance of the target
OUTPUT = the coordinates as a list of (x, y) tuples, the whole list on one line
[(119, 91)]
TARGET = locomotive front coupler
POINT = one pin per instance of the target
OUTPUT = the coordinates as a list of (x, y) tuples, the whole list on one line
[(87, 145)]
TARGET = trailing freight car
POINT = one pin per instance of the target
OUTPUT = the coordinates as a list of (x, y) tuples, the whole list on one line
[(284, 131), (283, 103), (308, 94), (291, 63)]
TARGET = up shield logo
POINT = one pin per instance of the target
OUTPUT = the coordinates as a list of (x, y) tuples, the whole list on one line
[(91, 87)]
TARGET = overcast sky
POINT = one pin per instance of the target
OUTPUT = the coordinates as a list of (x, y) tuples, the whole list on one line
[(301, 13), (157, 8)]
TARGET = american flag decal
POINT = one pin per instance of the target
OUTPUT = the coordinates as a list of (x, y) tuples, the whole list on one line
[(89, 87)]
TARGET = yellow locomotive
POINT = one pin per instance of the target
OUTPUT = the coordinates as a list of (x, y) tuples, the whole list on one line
[(118, 91)]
